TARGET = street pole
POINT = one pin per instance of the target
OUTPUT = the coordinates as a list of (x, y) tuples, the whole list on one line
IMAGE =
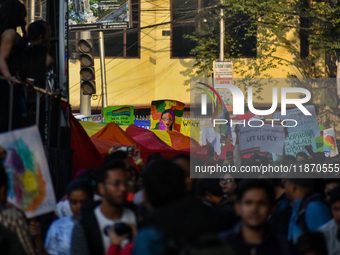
[(103, 69), (85, 100), (221, 33), (338, 71), (32, 11)]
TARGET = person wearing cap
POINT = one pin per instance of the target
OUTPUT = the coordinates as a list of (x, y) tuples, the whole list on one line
[(331, 230)]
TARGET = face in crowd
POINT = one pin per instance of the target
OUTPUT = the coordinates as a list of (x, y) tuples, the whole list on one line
[(77, 199), (114, 189), (335, 208), (254, 208), (228, 184), (167, 120)]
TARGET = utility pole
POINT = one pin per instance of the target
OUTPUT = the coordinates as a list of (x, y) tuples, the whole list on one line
[(222, 30), (32, 11), (103, 69)]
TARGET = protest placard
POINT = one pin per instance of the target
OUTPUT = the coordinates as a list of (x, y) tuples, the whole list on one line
[(191, 128), (304, 122), (297, 141), (268, 138), (29, 182), (121, 115), (329, 143), (209, 135)]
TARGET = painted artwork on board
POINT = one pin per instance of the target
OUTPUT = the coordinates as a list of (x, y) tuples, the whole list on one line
[(166, 115), (30, 185)]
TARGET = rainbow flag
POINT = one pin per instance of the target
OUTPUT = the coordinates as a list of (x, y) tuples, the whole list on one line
[(159, 106), (251, 150), (329, 143)]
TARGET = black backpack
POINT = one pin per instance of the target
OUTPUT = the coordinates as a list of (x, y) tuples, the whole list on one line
[(303, 207)]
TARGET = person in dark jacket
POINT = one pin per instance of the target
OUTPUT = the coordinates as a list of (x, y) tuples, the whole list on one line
[(253, 234), (222, 213)]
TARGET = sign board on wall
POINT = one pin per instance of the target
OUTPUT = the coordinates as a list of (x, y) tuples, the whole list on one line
[(223, 72)]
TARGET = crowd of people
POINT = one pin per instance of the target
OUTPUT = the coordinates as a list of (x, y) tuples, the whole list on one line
[(159, 209), (156, 209), (24, 59)]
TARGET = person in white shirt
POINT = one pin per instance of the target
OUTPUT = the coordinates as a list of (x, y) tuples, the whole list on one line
[(331, 230), (58, 238), (89, 235)]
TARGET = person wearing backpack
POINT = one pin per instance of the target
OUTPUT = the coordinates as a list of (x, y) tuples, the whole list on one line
[(254, 235), (331, 230), (309, 208)]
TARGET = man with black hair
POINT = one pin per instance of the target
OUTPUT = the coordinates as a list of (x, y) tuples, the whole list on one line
[(223, 216), (330, 184), (89, 235), (253, 234), (309, 210), (173, 217), (331, 230)]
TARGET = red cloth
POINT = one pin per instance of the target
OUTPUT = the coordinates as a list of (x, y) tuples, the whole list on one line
[(115, 249), (85, 154), (147, 138)]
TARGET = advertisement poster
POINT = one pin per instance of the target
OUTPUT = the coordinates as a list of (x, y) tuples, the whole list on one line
[(121, 115), (98, 14)]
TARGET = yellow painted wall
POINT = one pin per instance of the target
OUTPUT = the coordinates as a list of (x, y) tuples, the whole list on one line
[(155, 75)]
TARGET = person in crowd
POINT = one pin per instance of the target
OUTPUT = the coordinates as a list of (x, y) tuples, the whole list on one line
[(309, 209), (223, 216), (172, 215), (12, 218), (301, 156), (117, 239), (117, 154), (227, 151), (133, 183), (63, 207), (330, 184), (280, 216), (331, 230), (12, 46), (312, 243), (183, 161), (37, 61), (229, 185), (253, 234), (9, 243), (89, 235), (58, 239)]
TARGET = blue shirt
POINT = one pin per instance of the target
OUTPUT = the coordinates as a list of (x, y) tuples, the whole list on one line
[(316, 214), (59, 235)]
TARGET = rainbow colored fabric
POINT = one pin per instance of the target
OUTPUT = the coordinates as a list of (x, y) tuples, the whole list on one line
[(159, 106)]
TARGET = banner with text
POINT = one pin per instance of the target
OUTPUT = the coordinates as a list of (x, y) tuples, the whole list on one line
[(269, 138), (297, 141), (121, 115)]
